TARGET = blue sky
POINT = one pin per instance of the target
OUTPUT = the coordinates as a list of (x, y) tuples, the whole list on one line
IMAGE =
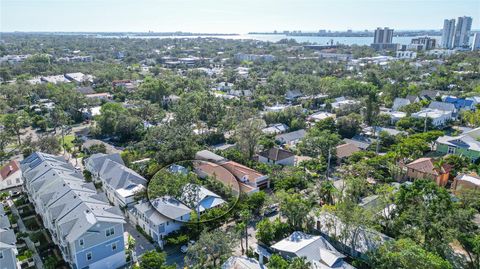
[(229, 16)]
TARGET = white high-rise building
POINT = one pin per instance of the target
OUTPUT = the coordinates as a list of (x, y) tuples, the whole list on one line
[(476, 41), (448, 33), (462, 32)]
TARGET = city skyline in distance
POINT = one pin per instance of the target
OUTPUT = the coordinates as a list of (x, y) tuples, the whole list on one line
[(213, 16)]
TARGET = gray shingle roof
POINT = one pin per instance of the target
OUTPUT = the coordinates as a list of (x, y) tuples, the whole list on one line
[(118, 176), (97, 160), (276, 154), (73, 204), (288, 137)]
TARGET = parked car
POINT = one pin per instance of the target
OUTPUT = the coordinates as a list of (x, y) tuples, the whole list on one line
[(271, 209), (184, 248)]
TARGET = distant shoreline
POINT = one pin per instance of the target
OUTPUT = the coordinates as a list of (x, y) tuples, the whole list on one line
[(351, 34), (124, 33)]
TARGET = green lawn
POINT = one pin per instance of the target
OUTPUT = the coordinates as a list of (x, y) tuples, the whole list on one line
[(68, 141)]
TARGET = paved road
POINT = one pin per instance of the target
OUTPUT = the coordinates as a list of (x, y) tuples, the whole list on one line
[(175, 256), (142, 245)]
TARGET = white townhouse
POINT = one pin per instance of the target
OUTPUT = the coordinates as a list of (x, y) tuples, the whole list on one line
[(87, 229), (119, 182)]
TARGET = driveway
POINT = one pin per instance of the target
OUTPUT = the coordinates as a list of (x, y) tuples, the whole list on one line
[(175, 256), (142, 245)]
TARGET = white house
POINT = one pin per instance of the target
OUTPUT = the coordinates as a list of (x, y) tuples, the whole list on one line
[(278, 128), (316, 249), (318, 116), (10, 176), (407, 54), (239, 262), (199, 198), (156, 224), (342, 103), (439, 117), (394, 115)]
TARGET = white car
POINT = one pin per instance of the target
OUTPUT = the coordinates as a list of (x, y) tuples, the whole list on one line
[(184, 248)]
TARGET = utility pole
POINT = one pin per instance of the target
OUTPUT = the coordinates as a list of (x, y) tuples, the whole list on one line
[(425, 123), (328, 162)]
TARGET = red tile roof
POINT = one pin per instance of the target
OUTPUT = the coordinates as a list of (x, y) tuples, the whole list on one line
[(9, 169)]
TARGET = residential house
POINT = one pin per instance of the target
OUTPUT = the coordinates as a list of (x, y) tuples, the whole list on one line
[(224, 86), (343, 103), (345, 150), (292, 138), (375, 131), (475, 99), (278, 128), (413, 98), (292, 95), (10, 175), (318, 116), (394, 115), (155, 224), (399, 103), (439, 117), (466, 182), (85, 90), (127, 84), (425, 168), (79, 77), (215, 171), (119, 182), (355, 241), (444, 106), (429, 95), (240, 262), (276, 108), (315, 249), (244, 175), (110, 149), (87, 229), (360, 142), (466, 144), (54, 79), (277, 156), (199, 198), (99, 96), (461, 104), (8, 248)]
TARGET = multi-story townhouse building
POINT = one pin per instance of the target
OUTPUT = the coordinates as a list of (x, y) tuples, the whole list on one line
[(87, 229), (8, 248), (119, 182), (158, 225)]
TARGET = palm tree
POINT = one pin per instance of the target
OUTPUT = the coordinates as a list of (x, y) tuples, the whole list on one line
[(299, 263), (327, 190)]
